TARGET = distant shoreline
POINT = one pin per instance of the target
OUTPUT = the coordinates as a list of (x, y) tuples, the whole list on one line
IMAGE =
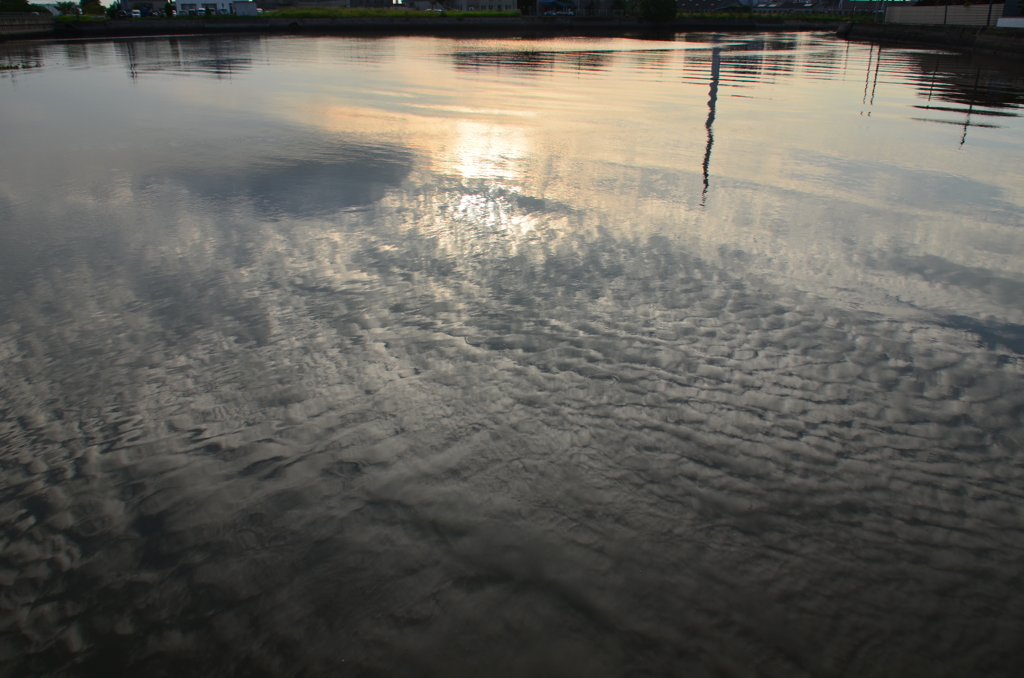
[(471, 26), (997, 42)]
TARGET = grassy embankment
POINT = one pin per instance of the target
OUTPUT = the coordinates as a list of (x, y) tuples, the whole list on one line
[(384, 13), (811, 16), (325, 13), (771, 17), (377, 13), (407, 13)]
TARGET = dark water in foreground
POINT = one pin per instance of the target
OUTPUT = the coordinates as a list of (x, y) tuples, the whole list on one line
[(422, 357)]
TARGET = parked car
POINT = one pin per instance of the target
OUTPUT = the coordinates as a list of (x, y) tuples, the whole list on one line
[(136, 14)]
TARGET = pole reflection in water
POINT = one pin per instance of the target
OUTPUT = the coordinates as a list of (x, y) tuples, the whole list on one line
[(874, 81), (716, 62), (970, 107)]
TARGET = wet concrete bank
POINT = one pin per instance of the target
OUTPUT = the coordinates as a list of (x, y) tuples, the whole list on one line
[(517, 26), (20, 24), (961, 38)]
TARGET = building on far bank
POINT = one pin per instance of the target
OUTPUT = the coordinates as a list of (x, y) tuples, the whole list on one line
[(709, 5), (482, 5), (236, 7), (557, 7), (145, 7), (270, 5), (424, 5), (220, 7), (601, 8)]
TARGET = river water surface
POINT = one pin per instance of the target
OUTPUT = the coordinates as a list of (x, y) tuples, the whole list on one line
[(507, 358)]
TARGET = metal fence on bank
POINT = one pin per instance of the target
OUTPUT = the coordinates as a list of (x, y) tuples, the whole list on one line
[(952, 15)]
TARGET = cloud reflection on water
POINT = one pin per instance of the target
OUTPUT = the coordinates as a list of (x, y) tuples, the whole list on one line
[(338, 176)]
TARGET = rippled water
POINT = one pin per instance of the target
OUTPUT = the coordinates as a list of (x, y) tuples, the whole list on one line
[(424, 357)]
